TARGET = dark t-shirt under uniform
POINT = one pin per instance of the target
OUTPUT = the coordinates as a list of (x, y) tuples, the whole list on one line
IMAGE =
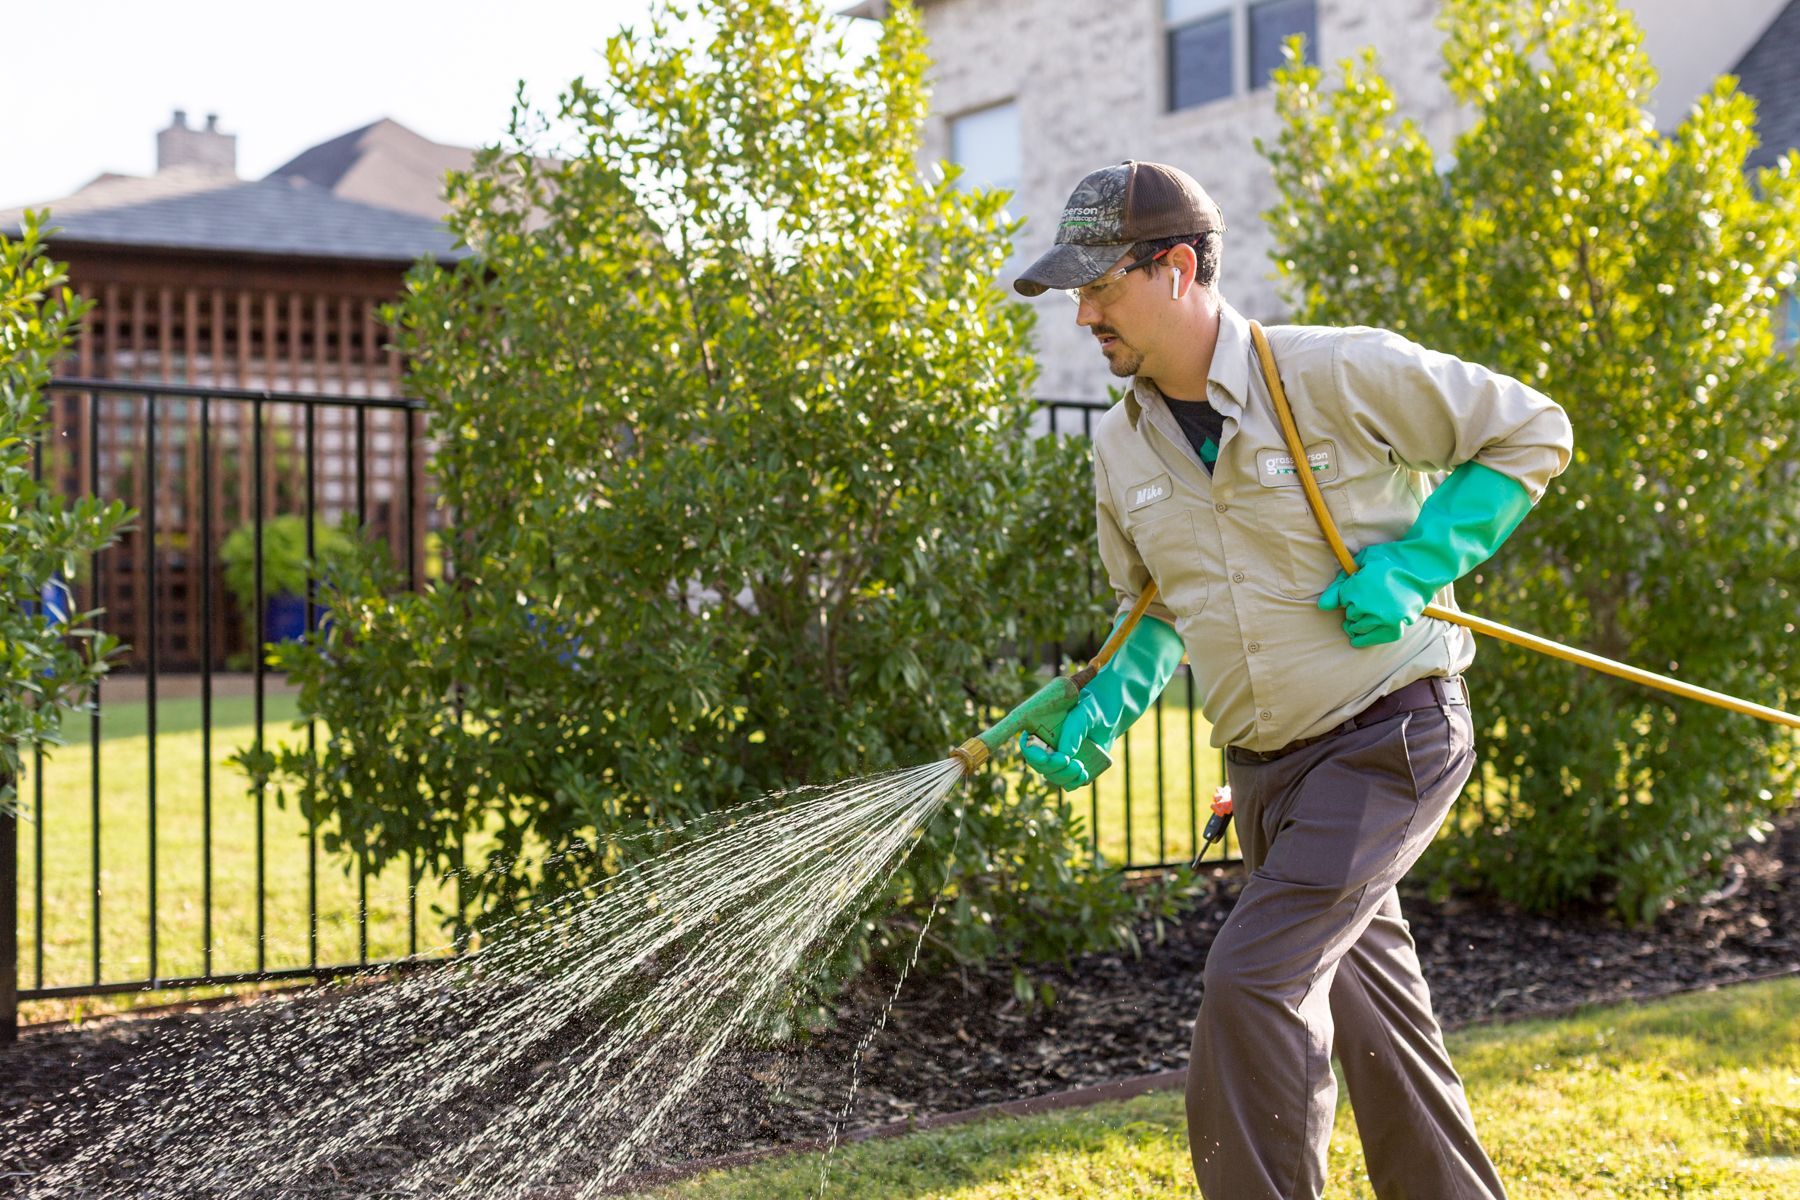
[(1204, 426)]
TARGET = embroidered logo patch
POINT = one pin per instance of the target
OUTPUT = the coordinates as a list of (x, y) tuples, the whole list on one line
[(1275, 468), (1149, 492)]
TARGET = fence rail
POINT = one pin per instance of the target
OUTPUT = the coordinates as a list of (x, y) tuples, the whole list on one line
[(121, 888)]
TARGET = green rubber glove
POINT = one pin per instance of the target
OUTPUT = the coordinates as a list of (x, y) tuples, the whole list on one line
[(1459, 526), (1117, 695)]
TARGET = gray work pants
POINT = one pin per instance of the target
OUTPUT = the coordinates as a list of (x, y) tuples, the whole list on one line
[(1316, 959)]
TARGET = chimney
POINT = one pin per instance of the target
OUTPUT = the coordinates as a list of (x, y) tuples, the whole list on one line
[(202, 150)]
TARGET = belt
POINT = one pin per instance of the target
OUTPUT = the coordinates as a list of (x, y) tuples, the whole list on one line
[(1432, 691)]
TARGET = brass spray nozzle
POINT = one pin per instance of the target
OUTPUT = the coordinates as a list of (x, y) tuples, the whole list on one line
[(971, 754)]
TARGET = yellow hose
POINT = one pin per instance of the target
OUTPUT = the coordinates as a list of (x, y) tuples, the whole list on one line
[(1316, 500), (1112, 644)]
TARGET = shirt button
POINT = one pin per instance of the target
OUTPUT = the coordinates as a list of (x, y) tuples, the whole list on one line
[(1221, 508), (1237, 577), (1254, 647), (1267, 715)]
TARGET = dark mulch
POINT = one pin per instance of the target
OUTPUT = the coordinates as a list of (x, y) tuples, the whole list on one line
[(958, 1041)]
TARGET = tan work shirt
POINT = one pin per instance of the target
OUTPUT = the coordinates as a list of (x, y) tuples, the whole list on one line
[(1238, 560)]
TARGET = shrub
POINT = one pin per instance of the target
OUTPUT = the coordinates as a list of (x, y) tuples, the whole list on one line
[(47, 669), (285, 565), (732, 427), (1632, 276)]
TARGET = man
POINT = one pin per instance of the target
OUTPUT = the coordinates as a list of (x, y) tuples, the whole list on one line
[(1344, 717)]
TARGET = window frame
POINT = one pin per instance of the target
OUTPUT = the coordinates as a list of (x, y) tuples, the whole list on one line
[(950, 126), (1239, 13)]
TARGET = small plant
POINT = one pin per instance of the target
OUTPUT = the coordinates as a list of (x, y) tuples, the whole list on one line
[(285, 572), (47, 665), (285, 566)]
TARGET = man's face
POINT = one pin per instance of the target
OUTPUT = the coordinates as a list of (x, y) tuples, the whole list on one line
[(1124, 317)]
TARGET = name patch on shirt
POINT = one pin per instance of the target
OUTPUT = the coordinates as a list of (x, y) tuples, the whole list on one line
[(1148, 492), (1275, 468)]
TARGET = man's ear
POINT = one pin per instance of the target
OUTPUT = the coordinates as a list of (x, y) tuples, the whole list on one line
[(1183, 259)]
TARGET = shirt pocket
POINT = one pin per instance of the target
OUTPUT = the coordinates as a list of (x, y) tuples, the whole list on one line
[(1304, 563), (1171, 553)]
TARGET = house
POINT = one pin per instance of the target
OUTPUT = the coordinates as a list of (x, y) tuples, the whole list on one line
[(202, 277), (1032, 94)]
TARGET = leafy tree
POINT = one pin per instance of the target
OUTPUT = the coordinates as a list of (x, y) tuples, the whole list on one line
[(1631, 275), (732, 428), (47, 668)]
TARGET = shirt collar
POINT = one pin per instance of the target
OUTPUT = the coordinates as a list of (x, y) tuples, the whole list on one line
[(1228, 379)]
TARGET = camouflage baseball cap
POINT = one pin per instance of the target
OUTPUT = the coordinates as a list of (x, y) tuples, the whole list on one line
[(1112, 210)]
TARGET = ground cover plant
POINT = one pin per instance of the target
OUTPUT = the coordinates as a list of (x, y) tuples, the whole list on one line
[(1632, 276), (1688, 1096)]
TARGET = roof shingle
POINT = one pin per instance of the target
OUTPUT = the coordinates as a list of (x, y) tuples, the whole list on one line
[(280, 216), (1768, 73)]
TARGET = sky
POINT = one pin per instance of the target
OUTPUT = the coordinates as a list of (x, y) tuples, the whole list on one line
[(99, 84)]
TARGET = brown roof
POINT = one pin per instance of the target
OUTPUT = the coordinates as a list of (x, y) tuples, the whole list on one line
[(384, 164)]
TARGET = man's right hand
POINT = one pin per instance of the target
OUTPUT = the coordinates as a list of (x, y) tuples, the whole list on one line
[(1118, 694), (1060, 766)]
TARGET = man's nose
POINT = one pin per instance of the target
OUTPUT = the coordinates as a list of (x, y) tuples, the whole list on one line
[(1086, 313)]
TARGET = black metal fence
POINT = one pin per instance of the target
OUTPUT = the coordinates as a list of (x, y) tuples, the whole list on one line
[(97, 914), (189, 459)]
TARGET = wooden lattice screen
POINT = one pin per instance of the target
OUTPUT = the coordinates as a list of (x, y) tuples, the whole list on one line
[(320, 340)]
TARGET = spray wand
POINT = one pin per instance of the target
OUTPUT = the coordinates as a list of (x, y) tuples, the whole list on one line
[(1042, 715)]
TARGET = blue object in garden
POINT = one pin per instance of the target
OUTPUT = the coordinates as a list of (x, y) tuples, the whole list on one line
[(561, 633), (55, 601), (284, 618)]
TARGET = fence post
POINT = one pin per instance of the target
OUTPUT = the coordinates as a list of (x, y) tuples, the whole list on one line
[(9, 922)]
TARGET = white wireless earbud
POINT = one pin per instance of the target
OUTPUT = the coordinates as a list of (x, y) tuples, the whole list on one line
[(1175, 287)]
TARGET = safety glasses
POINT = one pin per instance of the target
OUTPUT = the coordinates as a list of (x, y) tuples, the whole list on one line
[(1097, 291)]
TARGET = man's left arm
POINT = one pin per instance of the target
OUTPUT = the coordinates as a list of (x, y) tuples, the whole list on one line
[(1501, 441)]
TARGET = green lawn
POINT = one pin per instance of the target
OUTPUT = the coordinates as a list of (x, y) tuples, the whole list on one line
[(1695, 1096), (69, 884)]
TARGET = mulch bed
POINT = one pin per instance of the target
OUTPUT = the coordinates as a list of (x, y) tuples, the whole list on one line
[(958, 1041)]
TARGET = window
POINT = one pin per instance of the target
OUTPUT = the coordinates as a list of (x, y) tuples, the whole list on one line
[(1222, 48), (1272, 22), (986, 145), (1200, 51)]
